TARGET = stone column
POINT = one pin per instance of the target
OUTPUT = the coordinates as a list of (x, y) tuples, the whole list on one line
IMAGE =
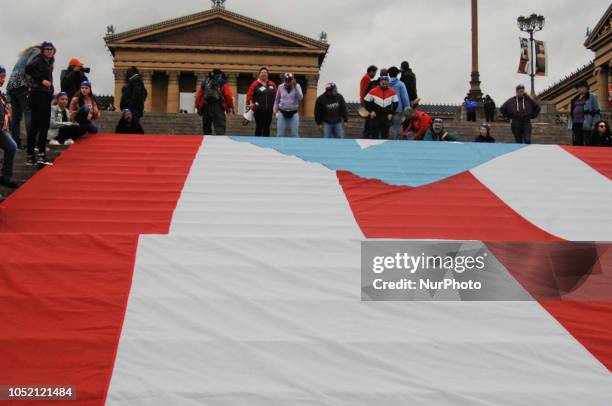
[(147, 78), (310, 96), (172, 105), (601, 75), (119, 82), (475, 93)]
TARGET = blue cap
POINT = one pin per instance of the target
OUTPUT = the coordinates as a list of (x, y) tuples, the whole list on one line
[(2, 69), (288, 77), (438, 121), (86, 83), (126, 111), (330, 86), (385, 78), (60, 94), (47, 44)]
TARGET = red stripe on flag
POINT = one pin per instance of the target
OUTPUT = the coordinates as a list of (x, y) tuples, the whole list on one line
[(599, 159), (62, 305), (589, 322), (105, 184), (457, 208)]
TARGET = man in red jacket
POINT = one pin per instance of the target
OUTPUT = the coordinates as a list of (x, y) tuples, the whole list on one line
[(381, 102), (366, 80), (416, 125), (365, 86), (213, 101)]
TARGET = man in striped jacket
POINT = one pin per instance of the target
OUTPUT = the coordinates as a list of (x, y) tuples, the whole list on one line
[(381, 102)]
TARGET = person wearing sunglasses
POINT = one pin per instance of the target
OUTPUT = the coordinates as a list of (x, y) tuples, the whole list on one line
[(602, 136)]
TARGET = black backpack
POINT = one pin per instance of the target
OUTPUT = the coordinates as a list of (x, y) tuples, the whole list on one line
[(212, 90)]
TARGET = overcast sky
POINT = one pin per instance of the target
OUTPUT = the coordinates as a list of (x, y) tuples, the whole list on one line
[(433, 35)]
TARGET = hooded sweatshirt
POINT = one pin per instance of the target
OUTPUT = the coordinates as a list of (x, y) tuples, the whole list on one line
[(402, 94), (520, 108), (330, 109)]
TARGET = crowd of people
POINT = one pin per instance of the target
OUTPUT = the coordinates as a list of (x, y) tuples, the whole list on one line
[(389, 105), (59, 117)]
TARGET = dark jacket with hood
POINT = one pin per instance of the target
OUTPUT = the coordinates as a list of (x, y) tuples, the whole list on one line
[(134, 95), (409, 79), (123, 127), (520, 109), (40, 70), (486, 138), (330, 109), (71, 81)]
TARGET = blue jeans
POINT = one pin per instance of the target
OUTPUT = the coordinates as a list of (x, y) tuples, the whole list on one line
[(293, 123), (8, 144), (396, 126), (333, 130)]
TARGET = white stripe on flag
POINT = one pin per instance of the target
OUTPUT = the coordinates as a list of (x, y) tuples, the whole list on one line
[(276, 322), (238, 189), (554, 190)]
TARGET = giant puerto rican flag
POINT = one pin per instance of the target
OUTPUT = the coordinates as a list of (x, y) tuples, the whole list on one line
[(185, 270)]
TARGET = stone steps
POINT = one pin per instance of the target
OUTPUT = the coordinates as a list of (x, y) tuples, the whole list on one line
[(164, 123)]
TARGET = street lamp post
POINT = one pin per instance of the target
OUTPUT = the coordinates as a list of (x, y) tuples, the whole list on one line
[(531, 25)]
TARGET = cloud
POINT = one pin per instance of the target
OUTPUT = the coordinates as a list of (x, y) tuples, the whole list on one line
[(433, 35)]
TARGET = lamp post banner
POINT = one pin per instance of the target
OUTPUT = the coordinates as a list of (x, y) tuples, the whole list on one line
[(524, 61), (541, 58)]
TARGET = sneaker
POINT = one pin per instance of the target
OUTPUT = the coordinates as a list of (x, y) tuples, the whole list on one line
[(42, 160), (31, 160), (69, 141), (54, 142), (9, 183)]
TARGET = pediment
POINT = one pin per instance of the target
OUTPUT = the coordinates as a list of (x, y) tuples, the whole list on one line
[(602, 32), (215, 27), (218, 33)]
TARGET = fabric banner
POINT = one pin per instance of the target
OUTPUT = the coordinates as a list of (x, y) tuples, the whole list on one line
[(541, 58), (524, 61)]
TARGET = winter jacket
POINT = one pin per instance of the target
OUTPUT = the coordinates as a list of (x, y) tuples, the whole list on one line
[(5, 113), (444, 135), (487, 138), (381, 101), (419, 127), (364, 87), (123, 127), (133, 96), (330, 109), (262, 95), (228, 97), (57, 121), (409, 79), (520, 109), (19, 78), (402, 94), (76, 104), (71, 81), (40, 70), (592, 112), (288, 100), (489, 106)]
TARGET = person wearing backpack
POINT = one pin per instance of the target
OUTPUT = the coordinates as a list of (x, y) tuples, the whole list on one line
[(213, 101)]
